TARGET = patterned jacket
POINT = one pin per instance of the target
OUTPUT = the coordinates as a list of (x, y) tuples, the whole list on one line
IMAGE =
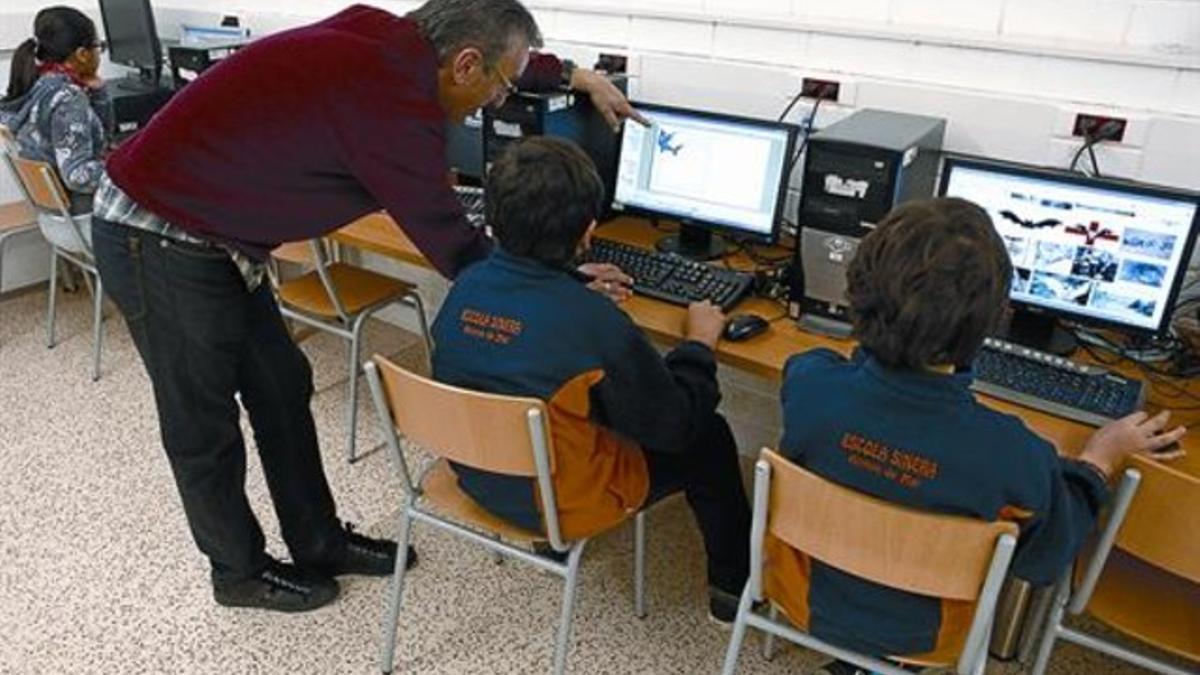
[(61, 123)]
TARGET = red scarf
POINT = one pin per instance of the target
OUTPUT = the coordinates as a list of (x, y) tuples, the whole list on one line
[(52, 67)]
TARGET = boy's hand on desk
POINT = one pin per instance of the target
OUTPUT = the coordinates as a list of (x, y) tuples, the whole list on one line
[(705, 321), (609, 280), (1136, 433)]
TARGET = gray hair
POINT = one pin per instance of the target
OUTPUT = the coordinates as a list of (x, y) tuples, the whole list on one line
[(491, 26)]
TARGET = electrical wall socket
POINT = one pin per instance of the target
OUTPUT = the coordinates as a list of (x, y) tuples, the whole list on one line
[(1087, 124), (811, 87)]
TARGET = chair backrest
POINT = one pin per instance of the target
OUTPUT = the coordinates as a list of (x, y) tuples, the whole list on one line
[(484, 431), (500, 434), (41, 183), (44, 189), (1161, 527), (943, 556)]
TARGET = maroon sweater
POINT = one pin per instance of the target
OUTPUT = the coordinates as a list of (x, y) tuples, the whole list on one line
[(306, 130)]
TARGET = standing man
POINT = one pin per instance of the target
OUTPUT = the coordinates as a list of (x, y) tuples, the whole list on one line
[(288, 139)]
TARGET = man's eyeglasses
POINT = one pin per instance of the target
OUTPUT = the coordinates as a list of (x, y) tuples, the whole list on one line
[(509, 87), (99, 45)]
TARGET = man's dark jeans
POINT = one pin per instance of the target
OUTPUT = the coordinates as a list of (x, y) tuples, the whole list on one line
[(204, 338)]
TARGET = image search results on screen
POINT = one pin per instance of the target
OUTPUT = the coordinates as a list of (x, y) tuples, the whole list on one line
[(1082, 250)]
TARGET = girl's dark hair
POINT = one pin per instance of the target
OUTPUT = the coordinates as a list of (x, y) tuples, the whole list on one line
[(57, 33), (542, 194), (929, 284)]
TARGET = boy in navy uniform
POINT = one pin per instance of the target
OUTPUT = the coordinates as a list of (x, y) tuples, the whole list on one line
[(898, 421), (629, 425)]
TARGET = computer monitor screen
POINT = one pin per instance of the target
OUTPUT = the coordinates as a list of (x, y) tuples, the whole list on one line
[(130, 31), (1100, 252), (720, 172)]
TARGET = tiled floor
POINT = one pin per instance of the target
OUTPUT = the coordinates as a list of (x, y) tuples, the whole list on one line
[(98, 573)]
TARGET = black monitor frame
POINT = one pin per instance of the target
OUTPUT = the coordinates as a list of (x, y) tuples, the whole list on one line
[(695, 237), (149, 74), (1033, 312)]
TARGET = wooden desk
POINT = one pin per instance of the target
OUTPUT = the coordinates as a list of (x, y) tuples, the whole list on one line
[(765, 354)]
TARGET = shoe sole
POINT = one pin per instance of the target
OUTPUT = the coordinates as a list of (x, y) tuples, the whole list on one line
[(249, 604)]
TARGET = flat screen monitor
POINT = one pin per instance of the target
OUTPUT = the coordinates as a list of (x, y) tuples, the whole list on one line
[(132, 37), (1101, 252), (712, 173)]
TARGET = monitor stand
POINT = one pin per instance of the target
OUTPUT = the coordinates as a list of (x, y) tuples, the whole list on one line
[(1040, 332), (694, 243)]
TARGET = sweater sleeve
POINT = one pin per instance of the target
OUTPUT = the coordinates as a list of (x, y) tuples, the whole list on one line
[(75, 152), (102, 105), (1070, 500), (543, 73), (655, 401), (403, 165)]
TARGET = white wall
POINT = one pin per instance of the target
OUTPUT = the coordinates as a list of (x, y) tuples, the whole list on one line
[(1008, 75)]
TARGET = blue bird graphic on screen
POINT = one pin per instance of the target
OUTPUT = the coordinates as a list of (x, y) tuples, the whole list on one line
[(664, 143)]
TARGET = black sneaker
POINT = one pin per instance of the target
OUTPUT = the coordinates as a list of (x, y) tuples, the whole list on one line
[(723, 606), (280, 587), (363, 555)]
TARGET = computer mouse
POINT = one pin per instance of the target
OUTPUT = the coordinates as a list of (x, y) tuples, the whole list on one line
[(744, 326)]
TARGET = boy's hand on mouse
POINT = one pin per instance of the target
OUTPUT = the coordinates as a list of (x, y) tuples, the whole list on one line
[(1138, 433), (705, 322)]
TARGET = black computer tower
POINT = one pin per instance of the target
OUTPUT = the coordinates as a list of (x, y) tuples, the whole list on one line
[(475, 143), (133, 108), (187, 62), (562, 114), (855, 171)]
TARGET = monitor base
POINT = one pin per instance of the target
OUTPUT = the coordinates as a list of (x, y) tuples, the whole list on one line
[(1042, 333), (820, 325), (694, 243)]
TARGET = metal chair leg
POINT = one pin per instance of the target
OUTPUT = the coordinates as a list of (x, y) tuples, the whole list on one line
[(3, 242), (68, 277), (768, 644), (739, 633), (97, 332), (423, 322), (387, 650), (355, 366), (639, 565), (53, 296), (568, 608), (1058, 607)]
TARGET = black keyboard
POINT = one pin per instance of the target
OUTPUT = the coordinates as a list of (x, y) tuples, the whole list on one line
[(670, 277), (472, 202), (1053, 384)]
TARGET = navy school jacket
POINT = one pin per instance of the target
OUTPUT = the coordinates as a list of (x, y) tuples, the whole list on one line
[(513, 326), (919, 439)]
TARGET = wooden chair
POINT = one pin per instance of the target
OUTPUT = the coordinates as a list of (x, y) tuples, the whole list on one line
[(934, 555), (502, 434), (338, 298), (1143, 575), (69, 237), (16, 218)]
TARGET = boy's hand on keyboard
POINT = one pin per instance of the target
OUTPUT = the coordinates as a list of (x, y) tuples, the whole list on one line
[(1136, 433), (609, 280), (705, 321)]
